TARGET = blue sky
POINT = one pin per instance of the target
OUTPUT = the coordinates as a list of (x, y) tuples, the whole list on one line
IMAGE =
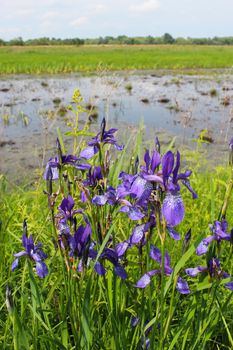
[(94, 18)]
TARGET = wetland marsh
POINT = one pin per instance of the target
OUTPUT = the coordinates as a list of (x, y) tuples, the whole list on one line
[(180, 106)]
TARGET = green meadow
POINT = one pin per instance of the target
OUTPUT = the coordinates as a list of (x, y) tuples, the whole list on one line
[(117, 247), (87, 59)]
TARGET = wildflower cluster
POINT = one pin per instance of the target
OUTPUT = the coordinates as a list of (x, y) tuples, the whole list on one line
[(213, 265), (80, 246), (150, 196), (32, 252), (211, 245), (85, 210)]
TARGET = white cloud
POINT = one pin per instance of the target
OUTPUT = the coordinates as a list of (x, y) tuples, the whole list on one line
[(99, 8), (11, 31), (25, 12), (79, 21), (146, 6), (50, 15), (20, 14), (31, 18), (46, 26)]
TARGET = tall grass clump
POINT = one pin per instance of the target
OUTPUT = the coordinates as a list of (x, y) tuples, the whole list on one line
[(116, 253)]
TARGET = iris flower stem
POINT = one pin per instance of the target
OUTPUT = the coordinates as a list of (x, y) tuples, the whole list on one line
[(75, 129), (51, 205), (112, 310), (60, 181), (170, 314), (227, 197), (53, 224), (101, 156), (19, 335), (161, 227), (36, 301), (15, 341), (102, 165), (162, 295), (229, 257)]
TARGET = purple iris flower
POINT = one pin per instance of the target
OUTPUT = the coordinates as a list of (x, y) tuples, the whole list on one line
[(144, 342), (151, 162), (64, 234), (110, 197), (66, 209), (104, 137), (133, 211), (213, 268), (156, 255), (173, 209), (124, 189), (140, 186), (173, 206), (111, 255), (141, 189), (80, 240), (219, 229), (75, 162), (136, 187), (35, 253), (173, 233), (51, 170), (84, 195), (107, 254), (113, 197), (54, 164), (94, 176), (138, 236), (66, 218)]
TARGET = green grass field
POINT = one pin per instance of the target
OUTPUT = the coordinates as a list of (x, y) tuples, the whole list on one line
[(67, 59)]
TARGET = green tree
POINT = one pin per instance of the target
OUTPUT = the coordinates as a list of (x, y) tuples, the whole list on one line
[(168, 39)]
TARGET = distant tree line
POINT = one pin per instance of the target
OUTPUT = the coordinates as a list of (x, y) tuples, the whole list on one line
[(120, 40)]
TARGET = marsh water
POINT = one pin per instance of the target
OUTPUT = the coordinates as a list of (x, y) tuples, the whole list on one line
[(31, 109)]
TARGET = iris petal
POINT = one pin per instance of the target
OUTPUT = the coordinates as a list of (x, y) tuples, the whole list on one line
[(100, 200), (167, 165), (100, 269), (155, 253), (173, 234), (120, 272), (144, 281), (193, 272), (41, 269), (121, 248), (229, 285), (182, 286), (15, 264), (155, 160), (88, 152), (137, 234), (173, 209), (203, 245)]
